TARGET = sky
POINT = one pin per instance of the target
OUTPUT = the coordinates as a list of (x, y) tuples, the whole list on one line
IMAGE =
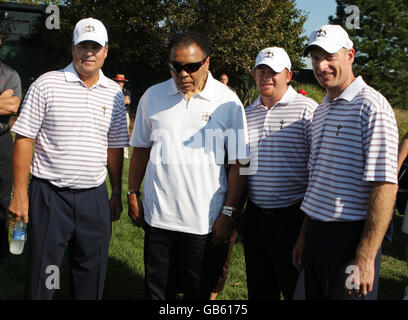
[(318, 12)]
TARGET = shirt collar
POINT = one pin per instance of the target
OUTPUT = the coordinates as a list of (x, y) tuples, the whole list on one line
[(351, 91), (207, 93), (71, 75), (289, 95)]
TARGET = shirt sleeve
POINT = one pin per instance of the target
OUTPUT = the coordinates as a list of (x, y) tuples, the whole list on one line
[(238, 148), (118, 135), (142, 128), (14, 83), (380, 142), (307, 124), (32, 113)]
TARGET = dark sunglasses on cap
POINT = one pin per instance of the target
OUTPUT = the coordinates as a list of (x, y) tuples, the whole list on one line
[(188, 67)]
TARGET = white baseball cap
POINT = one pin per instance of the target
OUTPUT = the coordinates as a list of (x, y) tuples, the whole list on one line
[(331, 38), (274, 57), (90, 29)]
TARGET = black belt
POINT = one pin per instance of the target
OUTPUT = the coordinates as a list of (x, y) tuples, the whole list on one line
[(63, 189), (271, 210)]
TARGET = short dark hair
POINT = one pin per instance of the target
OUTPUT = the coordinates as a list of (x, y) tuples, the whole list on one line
[(187, 39)]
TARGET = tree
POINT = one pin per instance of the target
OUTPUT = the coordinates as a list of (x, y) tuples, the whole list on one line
[(381, 45), (33, 1), (238, 29), (139, 32)]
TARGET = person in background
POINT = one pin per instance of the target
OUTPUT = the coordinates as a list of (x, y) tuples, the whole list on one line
[(121, 80), (402, 156), (224, 80), (10, 97)]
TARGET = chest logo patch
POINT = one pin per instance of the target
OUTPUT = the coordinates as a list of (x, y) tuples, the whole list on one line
[(206, 116), (338, 129)]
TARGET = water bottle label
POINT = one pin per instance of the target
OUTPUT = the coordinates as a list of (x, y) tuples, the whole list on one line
[(18, 234)]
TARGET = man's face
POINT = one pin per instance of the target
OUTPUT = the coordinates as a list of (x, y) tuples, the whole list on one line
[(270, 83), (121, 84), (189, 82), (332, 70), (224, 79), (88, 57)]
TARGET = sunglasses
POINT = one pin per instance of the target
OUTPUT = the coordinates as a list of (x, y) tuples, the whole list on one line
[(188, 67)]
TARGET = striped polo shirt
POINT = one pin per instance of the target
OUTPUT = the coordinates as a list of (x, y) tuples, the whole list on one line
[(354, 143), (72, 126), (279, 140)]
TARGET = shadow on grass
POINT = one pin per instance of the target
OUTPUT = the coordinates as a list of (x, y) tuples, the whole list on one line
[(391, 289), (121, 281)]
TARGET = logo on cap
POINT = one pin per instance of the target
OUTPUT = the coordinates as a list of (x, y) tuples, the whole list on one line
[(268, 55), (89, 28), (321, 33)]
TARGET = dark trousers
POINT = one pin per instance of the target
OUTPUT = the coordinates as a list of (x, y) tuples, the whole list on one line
[(269, 239), (6, 181), (175, 262), (78, 220), (330, 249)]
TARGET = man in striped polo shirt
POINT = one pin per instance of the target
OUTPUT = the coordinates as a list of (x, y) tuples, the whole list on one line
[(76, 118), (353, 175), (279, 126)]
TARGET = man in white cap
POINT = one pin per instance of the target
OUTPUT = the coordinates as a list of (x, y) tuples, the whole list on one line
[(76, 118), (279, 126), (353, 175)]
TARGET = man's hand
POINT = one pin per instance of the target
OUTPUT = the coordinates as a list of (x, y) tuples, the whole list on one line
[(298, 254), (115, 205), (19, 206), (365, 281), (135, 211), (7, 93), (379, 214), (127, 100), (298, 251), (222, 229)]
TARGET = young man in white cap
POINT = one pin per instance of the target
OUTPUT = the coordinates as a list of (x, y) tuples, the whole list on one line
[(76, 118), (279, 126), (353, 175)]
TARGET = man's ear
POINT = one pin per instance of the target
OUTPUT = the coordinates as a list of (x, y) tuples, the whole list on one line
[(350, 55), (289, 76)]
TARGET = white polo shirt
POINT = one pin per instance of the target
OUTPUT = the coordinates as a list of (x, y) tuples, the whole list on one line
[(186, 183), (354, 143), (73, 127), (279, 140)]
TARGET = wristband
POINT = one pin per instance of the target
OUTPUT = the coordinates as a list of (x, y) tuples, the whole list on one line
[(230, 212), (130, 192)]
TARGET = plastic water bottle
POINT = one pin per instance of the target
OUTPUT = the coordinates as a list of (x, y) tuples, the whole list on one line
[(18, 237)]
